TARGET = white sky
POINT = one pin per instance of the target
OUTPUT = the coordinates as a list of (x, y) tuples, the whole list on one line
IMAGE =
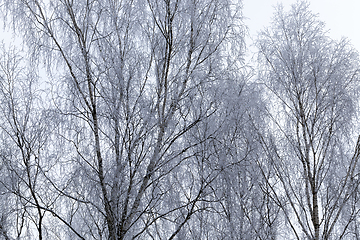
[(342, 17)]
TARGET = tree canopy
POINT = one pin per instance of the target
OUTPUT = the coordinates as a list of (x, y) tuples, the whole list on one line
[(141, 119)]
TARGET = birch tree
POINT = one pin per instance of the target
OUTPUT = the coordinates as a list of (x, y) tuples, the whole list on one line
[(311, 83), (130, 79), (24, 134)]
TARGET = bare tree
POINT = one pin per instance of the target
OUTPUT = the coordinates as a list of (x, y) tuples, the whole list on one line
[(310, 81), (23, 133), (132, 81)]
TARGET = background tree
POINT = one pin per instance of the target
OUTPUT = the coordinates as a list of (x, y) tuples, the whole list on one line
[(311, 83), (24, 134)]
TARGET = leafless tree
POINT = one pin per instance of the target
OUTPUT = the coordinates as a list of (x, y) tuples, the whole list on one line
[(310, 83), (23, 133), (130, 80)]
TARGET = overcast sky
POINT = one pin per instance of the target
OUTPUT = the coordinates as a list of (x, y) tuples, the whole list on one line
[(342, 17)]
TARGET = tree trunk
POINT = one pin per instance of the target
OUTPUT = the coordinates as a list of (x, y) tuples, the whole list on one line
[(315, 215)]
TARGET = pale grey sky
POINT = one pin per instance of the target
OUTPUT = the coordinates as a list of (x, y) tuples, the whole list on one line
[(342, 18)]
